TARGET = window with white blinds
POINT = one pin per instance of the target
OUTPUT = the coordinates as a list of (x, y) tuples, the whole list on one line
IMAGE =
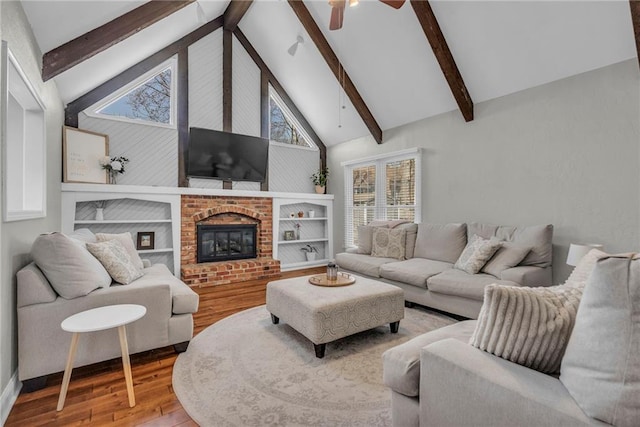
[(381, 188)]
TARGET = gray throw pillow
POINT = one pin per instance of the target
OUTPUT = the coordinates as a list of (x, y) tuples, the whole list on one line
[(69, 267), (114, 257), (601, 367), (365, 236), (528, 326), (440, 242), (127, 242), (388, 243), (507, 256), (476, 254)]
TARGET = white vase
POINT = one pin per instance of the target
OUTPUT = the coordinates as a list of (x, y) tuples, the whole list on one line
[(311, 256), (312, 214), (99, 214)]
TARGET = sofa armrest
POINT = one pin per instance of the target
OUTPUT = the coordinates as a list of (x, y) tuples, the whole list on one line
[(528, 275), (461, 385), (33, 287), (146, 263)]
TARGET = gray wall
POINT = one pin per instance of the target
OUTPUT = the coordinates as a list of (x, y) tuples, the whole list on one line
[(565, 153), (17, 237)]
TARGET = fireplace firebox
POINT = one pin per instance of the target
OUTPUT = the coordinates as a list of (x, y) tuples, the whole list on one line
[(226, 242)]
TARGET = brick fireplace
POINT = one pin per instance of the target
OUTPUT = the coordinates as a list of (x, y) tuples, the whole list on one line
[(225, 210)]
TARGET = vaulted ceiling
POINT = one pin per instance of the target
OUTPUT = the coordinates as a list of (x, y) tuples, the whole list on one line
[(500, 47)]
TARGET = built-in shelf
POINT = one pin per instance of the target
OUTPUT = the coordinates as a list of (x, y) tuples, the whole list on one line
[(123, 221), (305, 264), (154, 251), (287, 242), (304, 219)]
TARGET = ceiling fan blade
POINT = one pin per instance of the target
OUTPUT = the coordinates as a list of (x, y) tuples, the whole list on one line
[(337, 15), (396, 4)]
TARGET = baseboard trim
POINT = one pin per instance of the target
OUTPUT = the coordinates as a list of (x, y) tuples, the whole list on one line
[(9, 396)]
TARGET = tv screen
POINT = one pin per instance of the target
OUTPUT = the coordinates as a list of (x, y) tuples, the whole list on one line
[(227, 156)]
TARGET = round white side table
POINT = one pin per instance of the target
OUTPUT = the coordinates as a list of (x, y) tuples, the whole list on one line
[(99, 319)]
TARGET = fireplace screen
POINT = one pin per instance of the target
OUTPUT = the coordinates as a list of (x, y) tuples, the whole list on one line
[(226, 242)]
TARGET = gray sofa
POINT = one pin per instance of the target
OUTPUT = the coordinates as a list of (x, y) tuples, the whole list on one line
[(438, 379), (43, 346), (428, 277)]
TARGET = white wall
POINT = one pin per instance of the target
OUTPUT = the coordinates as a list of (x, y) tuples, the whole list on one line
[(565, 153), (17, 237)]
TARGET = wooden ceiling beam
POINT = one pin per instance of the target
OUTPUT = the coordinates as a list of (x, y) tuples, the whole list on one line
[(336, 67), (436, 39), (635, 18), (95, 41), (234, 13)]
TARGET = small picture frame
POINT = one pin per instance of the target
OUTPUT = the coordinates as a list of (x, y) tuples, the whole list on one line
[(146, 240), (289, 235)]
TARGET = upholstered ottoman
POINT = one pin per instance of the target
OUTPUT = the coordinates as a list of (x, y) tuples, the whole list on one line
[(325, 314)]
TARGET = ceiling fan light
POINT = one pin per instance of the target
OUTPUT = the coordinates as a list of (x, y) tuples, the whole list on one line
[(353, 3), (294, 47)]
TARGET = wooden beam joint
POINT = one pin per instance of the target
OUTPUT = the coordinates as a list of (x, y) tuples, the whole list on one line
[(234, 13)]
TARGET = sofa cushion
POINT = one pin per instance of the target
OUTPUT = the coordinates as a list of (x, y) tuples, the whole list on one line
[(601, 367), (459, 283), (127, 242), (410, 239), (413, 271), (440, 242), (183, 298), (33, 287), (69, 267), (114, 257), (476, 254), (364, 264), (388, 243), (508, 255), (582, 271), (527, 326), (401, 364), (537, 237)]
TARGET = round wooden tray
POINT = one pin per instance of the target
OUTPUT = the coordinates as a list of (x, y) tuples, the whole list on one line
[(342, 280)]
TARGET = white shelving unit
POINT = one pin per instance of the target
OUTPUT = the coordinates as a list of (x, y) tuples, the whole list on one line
[(132, 212), (316, 231)]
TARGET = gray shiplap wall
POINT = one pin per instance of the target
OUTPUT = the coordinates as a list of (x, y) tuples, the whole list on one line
[(153, 150)]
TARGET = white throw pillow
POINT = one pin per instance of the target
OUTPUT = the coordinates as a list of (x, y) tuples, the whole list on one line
[(388, 243), (69, 267), (113, 256), (528, 326), (476, 254), (127, 241)]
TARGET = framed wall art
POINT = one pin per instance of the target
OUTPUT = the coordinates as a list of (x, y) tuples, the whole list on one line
[(82, 151)]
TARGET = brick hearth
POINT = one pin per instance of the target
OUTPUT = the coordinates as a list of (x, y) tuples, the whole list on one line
[(227, 210)]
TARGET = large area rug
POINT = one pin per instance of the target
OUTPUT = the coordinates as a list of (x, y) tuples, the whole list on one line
[(245, 371)]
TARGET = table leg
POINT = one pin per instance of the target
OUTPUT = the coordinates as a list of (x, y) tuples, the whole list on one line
[(126, 364), (67, 371)]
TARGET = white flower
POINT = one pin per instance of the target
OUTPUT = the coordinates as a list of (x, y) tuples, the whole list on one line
[(116, 166), (104, 160)]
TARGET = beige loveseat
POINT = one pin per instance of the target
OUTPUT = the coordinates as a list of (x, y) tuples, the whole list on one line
[(427, 274), (43, 346)]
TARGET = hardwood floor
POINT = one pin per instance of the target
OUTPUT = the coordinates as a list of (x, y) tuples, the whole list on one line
[(97, 393)]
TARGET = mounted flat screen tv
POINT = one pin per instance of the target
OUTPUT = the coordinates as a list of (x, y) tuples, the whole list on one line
[(227, 156)]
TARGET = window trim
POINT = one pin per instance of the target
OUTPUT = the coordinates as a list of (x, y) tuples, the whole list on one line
[(273, 93), (171, 63), (379, 161)]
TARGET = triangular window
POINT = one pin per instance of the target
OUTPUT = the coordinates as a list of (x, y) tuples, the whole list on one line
[(149, 99), (283, 126)]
